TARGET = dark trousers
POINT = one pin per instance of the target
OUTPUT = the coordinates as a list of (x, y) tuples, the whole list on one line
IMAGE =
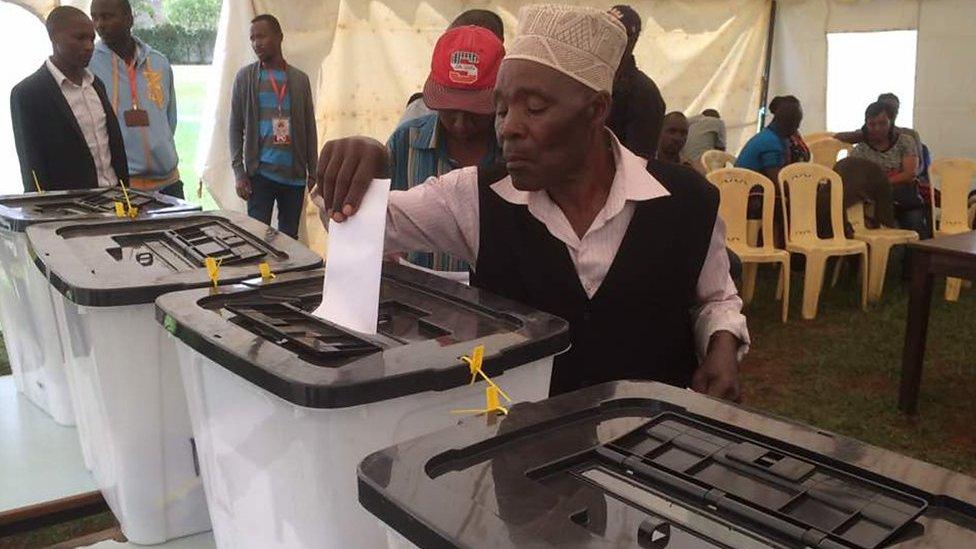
[(175, 190), (290, 199)]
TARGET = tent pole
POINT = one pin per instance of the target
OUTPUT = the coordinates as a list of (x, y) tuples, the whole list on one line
[(767, 64)]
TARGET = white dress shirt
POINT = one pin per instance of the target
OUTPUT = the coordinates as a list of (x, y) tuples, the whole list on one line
[(90, 114), (442, 215)]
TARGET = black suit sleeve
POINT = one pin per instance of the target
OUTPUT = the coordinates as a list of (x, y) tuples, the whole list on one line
[(27, 138)]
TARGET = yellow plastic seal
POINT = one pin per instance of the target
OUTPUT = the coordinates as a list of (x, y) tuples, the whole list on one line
[(119, 209), (492, 403), (213, 269), (475, 362), (265, 271)]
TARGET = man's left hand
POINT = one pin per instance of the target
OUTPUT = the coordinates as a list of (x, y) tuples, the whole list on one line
[(718, 374)]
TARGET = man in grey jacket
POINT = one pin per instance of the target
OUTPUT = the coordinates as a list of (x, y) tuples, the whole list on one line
[(273, 140)]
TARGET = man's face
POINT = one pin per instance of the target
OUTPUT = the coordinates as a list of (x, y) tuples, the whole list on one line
[(674, 134), (878, 127), (74, 42), (544, 122), (265, 41), (466, 126), (111, 21)]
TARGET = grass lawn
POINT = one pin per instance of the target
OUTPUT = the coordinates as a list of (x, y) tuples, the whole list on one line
[(841, 371), (190, 82)]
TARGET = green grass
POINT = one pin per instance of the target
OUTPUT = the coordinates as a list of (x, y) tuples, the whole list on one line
[(841, 371), (191, 82)]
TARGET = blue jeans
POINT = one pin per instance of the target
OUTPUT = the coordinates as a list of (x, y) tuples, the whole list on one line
[(290, 199), (910, 210)]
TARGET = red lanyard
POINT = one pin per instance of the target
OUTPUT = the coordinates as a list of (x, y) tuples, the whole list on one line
[(279, 93), (133, 84)]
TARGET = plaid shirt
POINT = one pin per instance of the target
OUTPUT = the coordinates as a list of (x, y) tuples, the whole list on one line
[(416, 154)]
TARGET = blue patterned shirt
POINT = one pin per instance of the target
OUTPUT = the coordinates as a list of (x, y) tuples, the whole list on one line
[(416, 154)]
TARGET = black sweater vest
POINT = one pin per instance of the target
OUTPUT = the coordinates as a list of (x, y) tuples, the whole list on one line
[(639, 323)]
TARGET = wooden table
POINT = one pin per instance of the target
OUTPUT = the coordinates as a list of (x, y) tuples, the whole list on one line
[(944, 256)]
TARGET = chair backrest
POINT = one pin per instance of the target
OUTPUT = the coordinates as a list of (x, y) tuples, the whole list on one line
[(811, 137), (955, 177), (855, 216), (734, 186), (716, 160), (798, 184), (824, 151)]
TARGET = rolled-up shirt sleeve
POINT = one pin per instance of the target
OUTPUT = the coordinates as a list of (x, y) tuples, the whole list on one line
[(440, 215), (719, 306)]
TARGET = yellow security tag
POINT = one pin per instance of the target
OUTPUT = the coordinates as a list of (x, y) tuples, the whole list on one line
[(37, 184), (119, 209), (265, 271), (492, 404), (491, 397), (474, 362), (128, 204), (133, 211), (213, 269)]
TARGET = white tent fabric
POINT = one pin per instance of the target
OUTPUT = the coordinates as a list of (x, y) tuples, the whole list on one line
[(365, 57), (945, 106), (368, 57)]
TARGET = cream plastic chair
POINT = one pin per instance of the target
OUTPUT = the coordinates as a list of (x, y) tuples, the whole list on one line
[(799, 182), (824, 151), (734, 185), (815, 136), (715, 160), (955, 177), (879, 243)]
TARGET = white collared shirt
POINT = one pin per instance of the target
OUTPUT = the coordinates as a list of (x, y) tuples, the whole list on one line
[(442, 214), (90, 114)]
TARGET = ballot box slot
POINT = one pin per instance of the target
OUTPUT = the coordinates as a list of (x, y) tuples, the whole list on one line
[(313, 339)]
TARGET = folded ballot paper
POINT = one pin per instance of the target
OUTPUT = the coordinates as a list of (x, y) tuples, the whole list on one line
[(351, 292)]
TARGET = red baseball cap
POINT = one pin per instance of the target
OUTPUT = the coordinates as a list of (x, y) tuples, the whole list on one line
[(463, 71)]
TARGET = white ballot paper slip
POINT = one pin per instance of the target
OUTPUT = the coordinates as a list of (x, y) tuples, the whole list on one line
[(351, 292)]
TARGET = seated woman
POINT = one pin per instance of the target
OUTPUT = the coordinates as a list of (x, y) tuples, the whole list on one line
[(897, 154)]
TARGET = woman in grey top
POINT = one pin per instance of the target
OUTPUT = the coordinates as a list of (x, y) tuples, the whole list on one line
[(897, 154)]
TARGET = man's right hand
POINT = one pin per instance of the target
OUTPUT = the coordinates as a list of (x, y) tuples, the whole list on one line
[(345, 169), (244, 188)]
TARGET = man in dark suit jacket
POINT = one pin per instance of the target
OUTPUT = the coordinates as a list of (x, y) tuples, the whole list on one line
[(66, 132)]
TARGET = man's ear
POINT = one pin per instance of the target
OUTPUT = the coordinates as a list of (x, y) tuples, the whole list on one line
[(600, 106)]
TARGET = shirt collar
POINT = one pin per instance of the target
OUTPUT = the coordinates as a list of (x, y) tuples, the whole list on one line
[(59, 77), (142, 50), (631, 182), (427, 133)]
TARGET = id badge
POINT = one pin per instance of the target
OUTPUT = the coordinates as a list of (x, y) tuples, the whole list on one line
[(282, 130), (135, 118)]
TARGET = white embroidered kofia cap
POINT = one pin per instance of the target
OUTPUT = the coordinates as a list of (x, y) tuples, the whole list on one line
[(583, 43)]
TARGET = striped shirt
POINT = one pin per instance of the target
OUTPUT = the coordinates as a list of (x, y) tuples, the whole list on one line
[(276, 160), (416, 154)]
